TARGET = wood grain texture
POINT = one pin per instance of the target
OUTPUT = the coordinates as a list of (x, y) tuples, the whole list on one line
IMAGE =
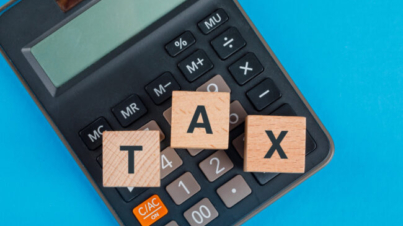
[(184, 105), (258, 144), (146, 162), (66, 5)]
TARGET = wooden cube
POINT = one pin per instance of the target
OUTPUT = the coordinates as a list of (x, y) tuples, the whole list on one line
[(275, 144), (131, 159), (200, 120)]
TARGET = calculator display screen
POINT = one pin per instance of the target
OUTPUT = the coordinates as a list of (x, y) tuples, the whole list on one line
[(94, 33)]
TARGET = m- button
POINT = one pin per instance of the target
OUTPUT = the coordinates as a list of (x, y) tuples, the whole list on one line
[(129, 110), (161, 89), (92, 134)]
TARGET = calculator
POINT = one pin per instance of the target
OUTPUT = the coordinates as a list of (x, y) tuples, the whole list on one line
[(93, 66)]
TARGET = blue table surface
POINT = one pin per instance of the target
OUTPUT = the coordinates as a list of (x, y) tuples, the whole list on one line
[(346, 57)]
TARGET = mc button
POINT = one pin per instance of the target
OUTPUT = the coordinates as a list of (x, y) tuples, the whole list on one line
[(92, 134), (129, 110)]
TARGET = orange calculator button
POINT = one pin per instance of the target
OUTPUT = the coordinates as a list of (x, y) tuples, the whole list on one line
[(150, 211)]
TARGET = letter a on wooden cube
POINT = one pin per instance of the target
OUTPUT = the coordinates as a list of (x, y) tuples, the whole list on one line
[(131, 159), (200, 120), (275, 144)]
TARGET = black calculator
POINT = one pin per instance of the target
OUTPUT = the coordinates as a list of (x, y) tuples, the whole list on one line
[(103, 65)]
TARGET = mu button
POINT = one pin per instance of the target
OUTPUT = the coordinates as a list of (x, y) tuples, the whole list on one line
[(275, 144), (131, 159)]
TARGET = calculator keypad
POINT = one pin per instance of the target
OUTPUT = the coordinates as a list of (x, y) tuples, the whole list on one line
[(201, 214), (216, 165), (183, 188), (196, 65), (129, 110), (246, 68), (228, 43), (170, 161), (234, 191), (161, 88)]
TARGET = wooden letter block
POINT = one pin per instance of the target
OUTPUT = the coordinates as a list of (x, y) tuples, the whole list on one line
[(275, 144), (200, 120), (131, 159)]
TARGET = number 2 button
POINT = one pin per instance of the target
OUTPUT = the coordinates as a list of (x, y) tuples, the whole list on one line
[(216, 165)]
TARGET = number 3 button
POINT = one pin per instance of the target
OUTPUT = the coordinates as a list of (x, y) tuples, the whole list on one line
[(216, 165)]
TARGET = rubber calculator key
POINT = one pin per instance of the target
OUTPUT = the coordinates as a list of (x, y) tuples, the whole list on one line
[(161, 88), (92, 134), (180, 43), (216, 165), (201, 214), (195, 65), (234, 191), (168, 115), (264, 178), (264, 94), (150, 211), (246, 68), (170, 161), (152, 125), (194, 152), (129, 110), (183, 188), (130, 193), (239, 144), (216, 84), (172, 223), (213, 21), (237, 115), (228, 43)]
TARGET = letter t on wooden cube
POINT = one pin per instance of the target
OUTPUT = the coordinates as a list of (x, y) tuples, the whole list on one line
[(200, 120), (275, 144), (131, 159)]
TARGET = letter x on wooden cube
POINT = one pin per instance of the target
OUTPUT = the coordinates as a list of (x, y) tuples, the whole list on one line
[(131, 159), (200, 120), (275, 144)]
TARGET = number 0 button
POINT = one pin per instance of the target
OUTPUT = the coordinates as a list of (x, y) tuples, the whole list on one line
[(216, 165), (183, 188), (201, 214)]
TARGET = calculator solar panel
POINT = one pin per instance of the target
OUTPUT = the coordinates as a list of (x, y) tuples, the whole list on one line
[(205, 45)]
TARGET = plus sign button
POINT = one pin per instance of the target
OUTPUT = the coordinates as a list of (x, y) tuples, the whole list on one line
[(246, 68)]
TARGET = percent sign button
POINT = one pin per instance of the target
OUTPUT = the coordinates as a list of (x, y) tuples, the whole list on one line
[(180, 43)]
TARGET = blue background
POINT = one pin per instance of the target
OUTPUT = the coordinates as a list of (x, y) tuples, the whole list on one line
[(346, 57)]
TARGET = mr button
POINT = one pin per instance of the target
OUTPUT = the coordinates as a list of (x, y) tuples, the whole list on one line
[(275, 144), (200, 120), (131, 159)]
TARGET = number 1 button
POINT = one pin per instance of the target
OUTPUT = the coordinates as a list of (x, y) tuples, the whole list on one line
[(183, 188)]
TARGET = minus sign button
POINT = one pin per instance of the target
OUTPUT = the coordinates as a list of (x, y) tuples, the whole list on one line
[(264, 94)]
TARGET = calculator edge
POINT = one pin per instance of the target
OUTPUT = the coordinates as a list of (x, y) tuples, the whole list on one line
[(331, 142)]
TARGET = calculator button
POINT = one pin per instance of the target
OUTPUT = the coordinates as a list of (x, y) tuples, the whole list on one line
[(246, 68), (92, 134), (264, 178), (194, 152), (168, 115), (228, 43), (201, 214), (172, 223), (237, 115), (130, 193), (213, 21), (216, 84), (170, 161), (99, 160), (234, 191), (129, 110), (161, 89), (216, 165), (152, 125), (180, 44), (239, 144), (150, 211), (195, 65), (183, 188), (286, 110), (264, 94)]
